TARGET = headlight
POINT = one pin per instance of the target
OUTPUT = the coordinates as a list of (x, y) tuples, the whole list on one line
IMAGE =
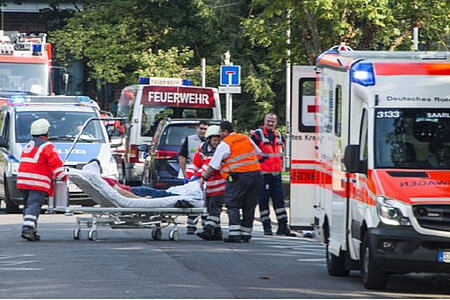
[(110, 170), (391, 211)]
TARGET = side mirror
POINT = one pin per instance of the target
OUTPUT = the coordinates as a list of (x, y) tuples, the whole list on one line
[(143, 148), (351, 158), (3, 142)]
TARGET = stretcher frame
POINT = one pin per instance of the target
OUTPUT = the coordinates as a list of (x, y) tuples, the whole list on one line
[(129, 218)]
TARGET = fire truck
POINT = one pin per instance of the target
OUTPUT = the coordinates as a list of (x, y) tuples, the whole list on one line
[(25, 66), (377, 178)]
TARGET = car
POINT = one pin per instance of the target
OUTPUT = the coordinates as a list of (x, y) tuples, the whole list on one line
[(161, 166)]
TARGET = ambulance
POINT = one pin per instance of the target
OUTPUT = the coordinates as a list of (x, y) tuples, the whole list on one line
[(381, 161), (150, 101)]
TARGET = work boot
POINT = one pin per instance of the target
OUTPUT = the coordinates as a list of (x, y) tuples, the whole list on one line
[(191, 230), (30, 235), (245, 239), (285, 231), (232, 239), (205, 235), (267, 230), (217, 236)]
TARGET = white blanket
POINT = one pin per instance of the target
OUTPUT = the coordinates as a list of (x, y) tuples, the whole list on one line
[(90, 177)]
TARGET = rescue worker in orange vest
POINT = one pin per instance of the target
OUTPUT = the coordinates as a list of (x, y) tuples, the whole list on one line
[(236, 158), (215, 185), (39, 165), (271, 143)]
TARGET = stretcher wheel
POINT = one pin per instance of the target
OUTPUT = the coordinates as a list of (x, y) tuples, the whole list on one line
[(156, 234), (76, 234), (92, 235), (174, 235)]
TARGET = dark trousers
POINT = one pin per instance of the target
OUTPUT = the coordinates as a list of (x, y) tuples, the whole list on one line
[(214, 211), (33, 201), (272, 187), (193, 219), (242, 193), (148, 191)]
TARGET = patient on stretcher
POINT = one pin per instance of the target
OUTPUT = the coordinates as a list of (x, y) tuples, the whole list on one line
[(135, 191)]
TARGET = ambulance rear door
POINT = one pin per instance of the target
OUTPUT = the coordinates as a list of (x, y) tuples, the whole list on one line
[(303, 142)]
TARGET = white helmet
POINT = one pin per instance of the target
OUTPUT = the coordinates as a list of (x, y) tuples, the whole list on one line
[(212, 131), (40, 127)]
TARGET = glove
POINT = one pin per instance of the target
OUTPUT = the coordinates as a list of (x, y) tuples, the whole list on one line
[(193, 178), (185, 180)]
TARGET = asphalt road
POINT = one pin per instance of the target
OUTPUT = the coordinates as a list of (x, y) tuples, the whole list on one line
[(126, 264)]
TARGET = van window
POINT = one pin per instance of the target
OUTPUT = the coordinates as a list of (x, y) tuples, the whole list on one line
[(174, 135), (5, 125), (64, 126), (412, 138), (307, 108), (151, 115), (363, 136)]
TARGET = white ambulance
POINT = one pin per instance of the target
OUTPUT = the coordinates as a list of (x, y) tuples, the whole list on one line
[(382, 162), (148, 102)]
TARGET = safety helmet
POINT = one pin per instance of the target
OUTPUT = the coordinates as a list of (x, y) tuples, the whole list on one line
[(40, 127), (213, 130)]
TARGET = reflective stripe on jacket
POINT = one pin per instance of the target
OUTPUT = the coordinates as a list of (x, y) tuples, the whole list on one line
[(242, 158), (272, 153), (39, 165), (215, 185)]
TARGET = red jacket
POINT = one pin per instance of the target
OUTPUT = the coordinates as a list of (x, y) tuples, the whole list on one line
[(39, 165), (215, 185), (271, 158)]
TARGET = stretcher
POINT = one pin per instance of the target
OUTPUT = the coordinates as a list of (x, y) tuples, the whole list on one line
[(117, 211)]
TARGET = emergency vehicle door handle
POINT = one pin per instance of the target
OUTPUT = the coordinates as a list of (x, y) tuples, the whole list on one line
[(353, 180)]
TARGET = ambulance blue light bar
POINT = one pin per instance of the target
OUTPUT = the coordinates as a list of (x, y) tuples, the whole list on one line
[(187, 82), (363, 74), (144, 80), (164, 81)]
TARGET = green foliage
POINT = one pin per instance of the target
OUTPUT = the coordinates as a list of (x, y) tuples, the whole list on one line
[(122, 39)]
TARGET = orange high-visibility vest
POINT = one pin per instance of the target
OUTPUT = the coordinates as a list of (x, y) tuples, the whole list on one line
[(242, 158)]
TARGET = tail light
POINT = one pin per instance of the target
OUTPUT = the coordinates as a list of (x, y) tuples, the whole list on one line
[(133, 154), (161, 154)]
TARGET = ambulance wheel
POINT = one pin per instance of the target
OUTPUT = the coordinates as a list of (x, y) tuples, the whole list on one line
[(92, 235), (372, 275), (335, 264), (76, 234), (174, 235), (156, 234)]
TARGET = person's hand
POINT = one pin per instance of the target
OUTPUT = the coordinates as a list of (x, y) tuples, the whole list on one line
[(193, 178), (148, 197), (201, 181), (185, 180)]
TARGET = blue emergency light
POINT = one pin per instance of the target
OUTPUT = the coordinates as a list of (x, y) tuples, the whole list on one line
[(362, 73), (84, 100), (144, 80), (37, 49), (187, 82), (18, 100)]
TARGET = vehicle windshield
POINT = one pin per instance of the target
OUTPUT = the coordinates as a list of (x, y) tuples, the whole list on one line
[(65, 125), (151, 115), (25, 78), (412, 138)]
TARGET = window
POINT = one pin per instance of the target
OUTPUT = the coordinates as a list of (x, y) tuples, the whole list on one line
[(338, 111), (307, 107), (363, 137)]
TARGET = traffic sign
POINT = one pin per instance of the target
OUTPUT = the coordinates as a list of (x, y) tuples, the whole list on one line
[(230, 89), (230, 75)]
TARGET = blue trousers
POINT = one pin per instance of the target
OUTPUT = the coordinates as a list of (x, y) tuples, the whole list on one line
[(272, 188), (32, 208), (148, 191)]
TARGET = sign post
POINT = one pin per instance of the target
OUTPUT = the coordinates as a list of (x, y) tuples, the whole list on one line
[(230, 80)]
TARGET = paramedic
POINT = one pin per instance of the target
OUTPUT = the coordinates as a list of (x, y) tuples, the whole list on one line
[(39, 165), (236, 158), (185, 156), (215, 185), (271, 143), (133, 191)]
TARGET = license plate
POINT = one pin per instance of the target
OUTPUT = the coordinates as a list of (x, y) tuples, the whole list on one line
[(444, 256)]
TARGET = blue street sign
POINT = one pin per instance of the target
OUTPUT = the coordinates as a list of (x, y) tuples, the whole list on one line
[(230, 75)]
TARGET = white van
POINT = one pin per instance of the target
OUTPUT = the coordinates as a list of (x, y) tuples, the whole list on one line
[(66, 116), (382, 162), (145, 105)]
